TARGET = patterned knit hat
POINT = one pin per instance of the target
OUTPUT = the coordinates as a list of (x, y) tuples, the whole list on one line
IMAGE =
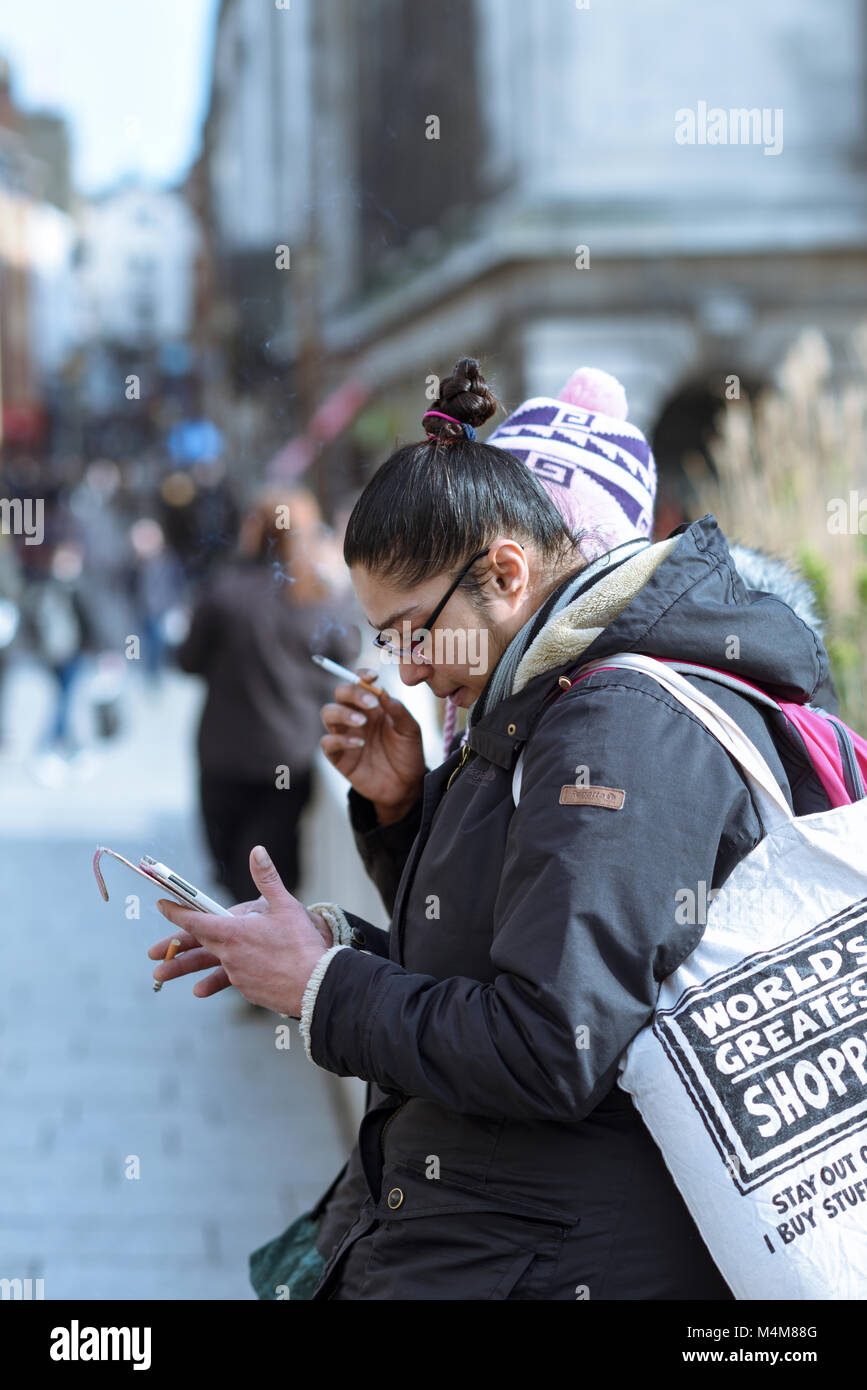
[(598, 469)]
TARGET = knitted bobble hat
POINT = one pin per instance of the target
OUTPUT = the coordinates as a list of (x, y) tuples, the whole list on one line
[(596, 467)]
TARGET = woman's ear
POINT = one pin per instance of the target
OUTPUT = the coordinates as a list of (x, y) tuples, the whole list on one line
[(510, 565)]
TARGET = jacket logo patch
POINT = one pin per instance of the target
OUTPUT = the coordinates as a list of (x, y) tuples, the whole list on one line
[(612, 798), (481, 774)]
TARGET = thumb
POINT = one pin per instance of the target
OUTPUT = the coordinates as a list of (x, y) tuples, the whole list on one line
[(403, 721), (266, 878)]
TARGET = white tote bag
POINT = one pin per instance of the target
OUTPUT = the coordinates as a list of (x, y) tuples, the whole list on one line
[(752, 1075)]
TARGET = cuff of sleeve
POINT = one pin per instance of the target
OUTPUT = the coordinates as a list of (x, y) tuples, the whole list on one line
[(311, 990), (344, 1035), (363, 821), (336, 919)]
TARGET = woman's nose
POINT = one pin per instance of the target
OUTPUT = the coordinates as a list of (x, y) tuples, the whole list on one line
[(414, 672)]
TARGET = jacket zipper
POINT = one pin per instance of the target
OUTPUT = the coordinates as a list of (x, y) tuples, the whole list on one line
[(855, 785), (465, 753)]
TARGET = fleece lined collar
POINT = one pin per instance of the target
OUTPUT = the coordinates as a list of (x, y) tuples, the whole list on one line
[(570, 632), (681, 598), (559, 644)]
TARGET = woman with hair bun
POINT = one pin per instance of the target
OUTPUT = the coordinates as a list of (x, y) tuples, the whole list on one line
[(529, 936)]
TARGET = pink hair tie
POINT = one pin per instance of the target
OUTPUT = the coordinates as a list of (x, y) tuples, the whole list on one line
[(467, 429)]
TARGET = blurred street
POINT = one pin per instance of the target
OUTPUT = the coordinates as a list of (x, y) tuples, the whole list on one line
[(234, 1137)]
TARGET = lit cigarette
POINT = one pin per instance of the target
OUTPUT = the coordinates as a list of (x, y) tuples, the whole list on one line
[(332, 666), (174, 947)]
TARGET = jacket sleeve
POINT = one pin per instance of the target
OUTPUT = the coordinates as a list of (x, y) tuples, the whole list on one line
[(348, 929), (383, 848), (586, 921)]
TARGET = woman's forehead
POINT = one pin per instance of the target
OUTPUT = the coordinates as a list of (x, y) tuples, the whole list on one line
[(385, 601)]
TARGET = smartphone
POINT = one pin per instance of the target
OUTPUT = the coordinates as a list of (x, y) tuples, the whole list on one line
[(178, 888)]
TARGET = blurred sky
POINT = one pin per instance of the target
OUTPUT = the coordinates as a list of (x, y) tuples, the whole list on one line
[(131, 76)]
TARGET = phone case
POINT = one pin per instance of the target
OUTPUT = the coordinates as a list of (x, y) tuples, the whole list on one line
[(136, 868)]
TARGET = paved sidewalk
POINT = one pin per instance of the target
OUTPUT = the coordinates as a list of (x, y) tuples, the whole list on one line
[(233, 1137)]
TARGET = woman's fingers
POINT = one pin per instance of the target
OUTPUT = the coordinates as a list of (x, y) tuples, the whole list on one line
[(401, 719), (212, 984), (186, 963), (191, 957), (343, 727), (342, 719), (158, 950), (334, 745), (349, 715)]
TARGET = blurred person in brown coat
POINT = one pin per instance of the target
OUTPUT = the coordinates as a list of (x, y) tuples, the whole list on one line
[(256, 623)]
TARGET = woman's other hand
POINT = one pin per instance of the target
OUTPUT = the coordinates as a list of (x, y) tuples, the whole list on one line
[(377, 745)]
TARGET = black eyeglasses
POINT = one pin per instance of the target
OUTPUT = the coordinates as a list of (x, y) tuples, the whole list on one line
[(380, 641)]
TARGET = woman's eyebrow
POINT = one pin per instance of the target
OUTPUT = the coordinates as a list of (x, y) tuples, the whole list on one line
[(395, 618)]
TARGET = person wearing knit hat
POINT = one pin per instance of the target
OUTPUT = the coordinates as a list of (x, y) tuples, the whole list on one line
[(532, 879)]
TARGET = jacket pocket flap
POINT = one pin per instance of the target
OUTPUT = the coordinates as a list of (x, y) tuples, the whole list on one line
[(407, 1193)]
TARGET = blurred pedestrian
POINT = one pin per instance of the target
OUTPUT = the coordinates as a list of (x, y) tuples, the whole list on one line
[(63, 627), (257, 622), (157, 582)]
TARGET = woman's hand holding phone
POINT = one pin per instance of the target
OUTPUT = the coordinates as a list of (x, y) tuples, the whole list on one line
[(197, 957), (269, 956), (381, 754)]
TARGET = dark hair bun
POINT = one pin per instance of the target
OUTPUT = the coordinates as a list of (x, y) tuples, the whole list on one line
[(467, 397)]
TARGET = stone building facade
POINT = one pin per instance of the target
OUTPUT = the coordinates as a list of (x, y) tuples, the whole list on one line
[(665, 191)]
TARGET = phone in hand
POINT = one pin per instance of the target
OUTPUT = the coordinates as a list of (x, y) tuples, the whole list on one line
[(179, 888)]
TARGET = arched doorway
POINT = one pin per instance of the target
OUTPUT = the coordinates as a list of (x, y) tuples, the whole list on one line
[(684, 430)]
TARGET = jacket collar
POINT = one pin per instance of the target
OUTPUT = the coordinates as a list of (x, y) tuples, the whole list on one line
[(557, 647), (658, 602)]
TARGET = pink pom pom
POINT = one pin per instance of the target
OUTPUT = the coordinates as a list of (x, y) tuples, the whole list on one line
[(592, 389)]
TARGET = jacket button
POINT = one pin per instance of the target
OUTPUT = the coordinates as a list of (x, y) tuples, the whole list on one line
[(512, 729), (357, 937), (394, 1198)]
